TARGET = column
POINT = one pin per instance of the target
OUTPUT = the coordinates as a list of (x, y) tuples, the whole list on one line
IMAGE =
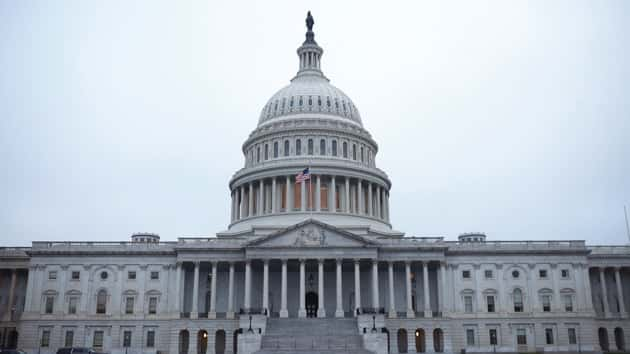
[(602, 283), (442, 296), (339, 310), (332, 201), (12, 294), (289, 201), (178, 290), (247, 301), (242, 208), (213, 291), (318, 195), (274, 201), (230, 313), (346, 195), (556, 305), (321, 312), (392, 300), (303, 196), (194, 312), (425, 282), (59, 308), (622, 305), (261, 198), (265, 301), (502, 302), (302, 309), (250, 200), (375, 297), (283, 301), (387, 205), (29, 288), (232, 207), (357, 285), (360, 198), (410, 312), (378, 202), (587, 285), (370, 201)]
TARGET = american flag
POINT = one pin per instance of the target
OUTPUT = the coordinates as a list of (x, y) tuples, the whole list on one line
[(304, 175)]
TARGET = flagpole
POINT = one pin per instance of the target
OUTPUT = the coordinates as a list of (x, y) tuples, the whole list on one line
[(310, 186), (625, 213)]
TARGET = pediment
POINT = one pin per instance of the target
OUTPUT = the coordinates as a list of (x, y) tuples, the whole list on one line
[(312, 234)]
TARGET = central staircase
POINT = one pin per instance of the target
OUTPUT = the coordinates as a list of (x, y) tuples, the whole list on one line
[(312, 336)]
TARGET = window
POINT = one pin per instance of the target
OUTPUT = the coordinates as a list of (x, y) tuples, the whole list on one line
[(468, 304), (131, 275), (275, 150), (103, 275), (286, 148), (45, 342), (69, 340), (101, 302), (72, 305), (266, 152), (52, 275), (521, 336), (515, 274), (334, 147), (344, 148), (310, 146), (129, 304), (488, 274), (50, 302), (549, 335), (152, 305), (155, 275), (97, 341), (322, 147), (490, 301), (470, 337), (546, 303), (258, 154), (572, 335), (354, 152), (150, 339), (517, 298), (76, 275), (127, 339), (362, 160), (493, 336), (466, 274), (564, 273), (542, 273), (567, 300), (298, 147)]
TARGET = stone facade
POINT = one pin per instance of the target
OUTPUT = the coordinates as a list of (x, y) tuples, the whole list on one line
[(321, 248)]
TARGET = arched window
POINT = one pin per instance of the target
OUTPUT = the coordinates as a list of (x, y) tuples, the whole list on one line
[(202, 342), (517, 299), (420, 341), (266, 152), (298, 147), (438, 340), (354, 152), (620, 341), (275, 150), (322, 147), (286, 148), (402, 340), (602, 333), (101, 302), (334, 147), (258, 154), (344, 147), (183, 341), (362, 159), (219, 342), (310, 146)]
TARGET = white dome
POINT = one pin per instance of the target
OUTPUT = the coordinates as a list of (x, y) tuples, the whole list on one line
[(310, 94)]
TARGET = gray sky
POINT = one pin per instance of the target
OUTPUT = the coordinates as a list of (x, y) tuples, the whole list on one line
[(511, 118)]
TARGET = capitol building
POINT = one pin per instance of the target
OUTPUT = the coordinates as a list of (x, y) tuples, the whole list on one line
[(310, 263)]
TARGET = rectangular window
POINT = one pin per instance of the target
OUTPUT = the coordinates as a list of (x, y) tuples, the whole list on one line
[(493, 337), (488, 274), (572, 335), (155, 275), (490, 301), (76, 275), (466, 274), (131, 275), (310, 146), (468, 304), (127, 339), (72, 305), (334, 147), (542, 273), (150, 339), (97, 341), (129, 305), (564, 273), (152, 305), (521, 336), (50, 301), (549, 335), (546, 303), (266, 152), (568, 303), (322, 147), (470, 337), (354, 152), (298, 147), (45, 342), (52, 275), (69, 340)]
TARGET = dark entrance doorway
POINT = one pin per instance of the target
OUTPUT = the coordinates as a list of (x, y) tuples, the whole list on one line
[(311, 304)]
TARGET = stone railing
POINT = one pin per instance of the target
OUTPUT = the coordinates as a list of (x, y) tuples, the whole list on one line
[(517, 245), (609, 250)]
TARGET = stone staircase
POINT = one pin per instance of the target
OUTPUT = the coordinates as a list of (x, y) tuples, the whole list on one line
[(312, 336)]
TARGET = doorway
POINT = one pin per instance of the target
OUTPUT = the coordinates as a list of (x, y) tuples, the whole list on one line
[(311, 304)]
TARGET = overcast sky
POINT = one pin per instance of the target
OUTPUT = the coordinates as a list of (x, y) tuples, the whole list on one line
[(510, 118)]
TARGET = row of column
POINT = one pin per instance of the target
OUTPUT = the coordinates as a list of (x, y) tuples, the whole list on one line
[(11, 300), (351, 197), (339, 312), (604, 291)]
